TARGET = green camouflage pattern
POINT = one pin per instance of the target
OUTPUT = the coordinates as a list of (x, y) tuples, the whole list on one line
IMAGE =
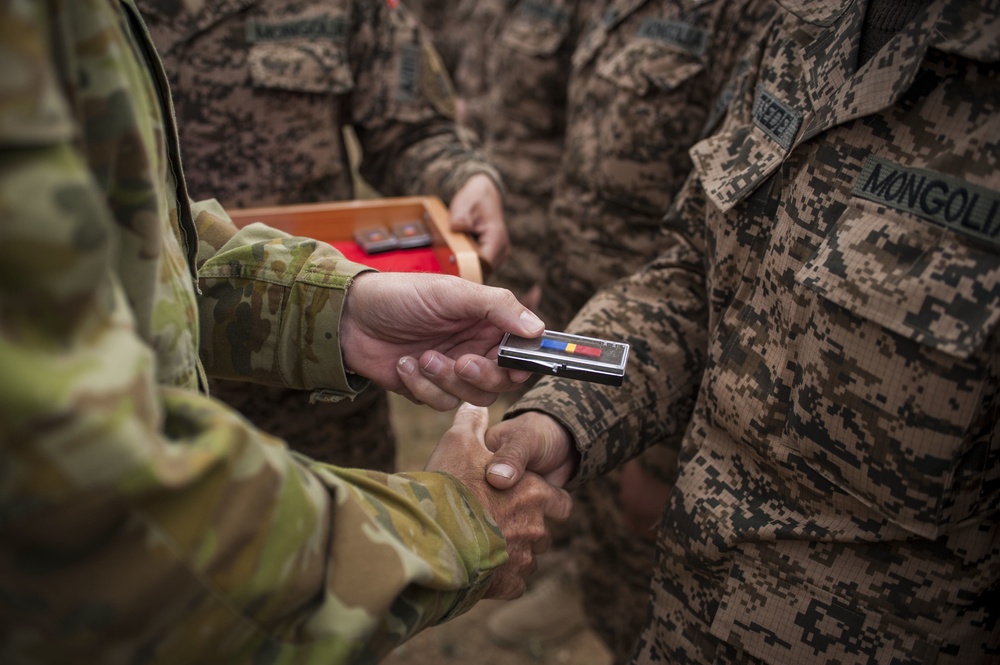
[(140, 520), (823, 332)]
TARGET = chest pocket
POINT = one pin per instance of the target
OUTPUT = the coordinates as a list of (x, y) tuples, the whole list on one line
[(300, 55), (536, 28), (650, 115), (920, 304)]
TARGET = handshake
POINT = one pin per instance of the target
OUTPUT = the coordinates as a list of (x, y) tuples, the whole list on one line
[(492, 464), (435, 340)]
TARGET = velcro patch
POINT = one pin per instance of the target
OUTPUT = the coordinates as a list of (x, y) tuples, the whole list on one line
[(778, 121), (543, 10), (320, 27), (682, 35), (409, 72), (946, 200)]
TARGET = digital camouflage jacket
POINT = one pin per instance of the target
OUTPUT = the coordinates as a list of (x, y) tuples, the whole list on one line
[(825, 331), (520, 111), (141, 521), (644, 83), (265, 88)]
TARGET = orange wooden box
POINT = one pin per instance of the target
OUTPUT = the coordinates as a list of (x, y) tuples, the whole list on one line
[(335, 223)]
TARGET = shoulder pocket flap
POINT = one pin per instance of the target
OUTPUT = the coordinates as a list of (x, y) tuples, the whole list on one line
[(773, 616), (644, 66), (912, 277), (300, 66), (732, 164)]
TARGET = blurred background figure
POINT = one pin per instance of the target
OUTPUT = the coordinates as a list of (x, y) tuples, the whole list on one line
[(588, 110), (268, 98)]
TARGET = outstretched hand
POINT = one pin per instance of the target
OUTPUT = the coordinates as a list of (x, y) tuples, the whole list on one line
[(432, 338), (477, 209), (520, 512)]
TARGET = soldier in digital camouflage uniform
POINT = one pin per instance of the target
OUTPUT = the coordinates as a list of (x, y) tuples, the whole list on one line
[(143, 521), (646, 79), (263, 90), (823, 332), (520, 111)]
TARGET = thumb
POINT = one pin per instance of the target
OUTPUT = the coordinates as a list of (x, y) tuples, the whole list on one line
[(532, 441), (508, 314), (508, 464), (464, 441)]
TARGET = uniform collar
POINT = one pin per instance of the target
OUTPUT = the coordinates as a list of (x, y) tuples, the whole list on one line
[(963, 28)]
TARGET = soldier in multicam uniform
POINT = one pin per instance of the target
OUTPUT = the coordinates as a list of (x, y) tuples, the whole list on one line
[(143, 521), (823, 332), (263, 91)]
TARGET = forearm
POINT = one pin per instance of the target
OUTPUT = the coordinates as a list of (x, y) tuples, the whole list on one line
[(270, 305), (661, 312), (405, 122), (436, 159), (211, 524)]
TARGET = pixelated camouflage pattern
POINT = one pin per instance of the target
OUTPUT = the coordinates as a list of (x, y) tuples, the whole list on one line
[(636, 103), (644, 84), (141, 521), (253, 77), (833, 361), (474, 31), (441, 19), (263, 91), (521, 114)]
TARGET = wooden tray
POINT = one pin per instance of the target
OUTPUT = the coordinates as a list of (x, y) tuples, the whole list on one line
[(451, 253)]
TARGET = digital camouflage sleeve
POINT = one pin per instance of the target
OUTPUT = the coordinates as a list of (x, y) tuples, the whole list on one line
[(141, 521)]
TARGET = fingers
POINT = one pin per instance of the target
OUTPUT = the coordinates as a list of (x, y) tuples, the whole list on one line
[(507, 313), (477, 209), (532, 441), (471, 418), (559, 505), (493, 241), (433, 380), (522, 514), (442, 383)]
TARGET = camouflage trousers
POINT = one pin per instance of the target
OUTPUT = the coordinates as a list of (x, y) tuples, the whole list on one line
[(353, 434)]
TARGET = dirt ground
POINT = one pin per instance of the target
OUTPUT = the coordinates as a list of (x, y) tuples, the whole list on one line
[(465, 639)]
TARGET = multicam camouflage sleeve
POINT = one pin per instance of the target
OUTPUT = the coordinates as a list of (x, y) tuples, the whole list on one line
[(289, 344), (139, 519)]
